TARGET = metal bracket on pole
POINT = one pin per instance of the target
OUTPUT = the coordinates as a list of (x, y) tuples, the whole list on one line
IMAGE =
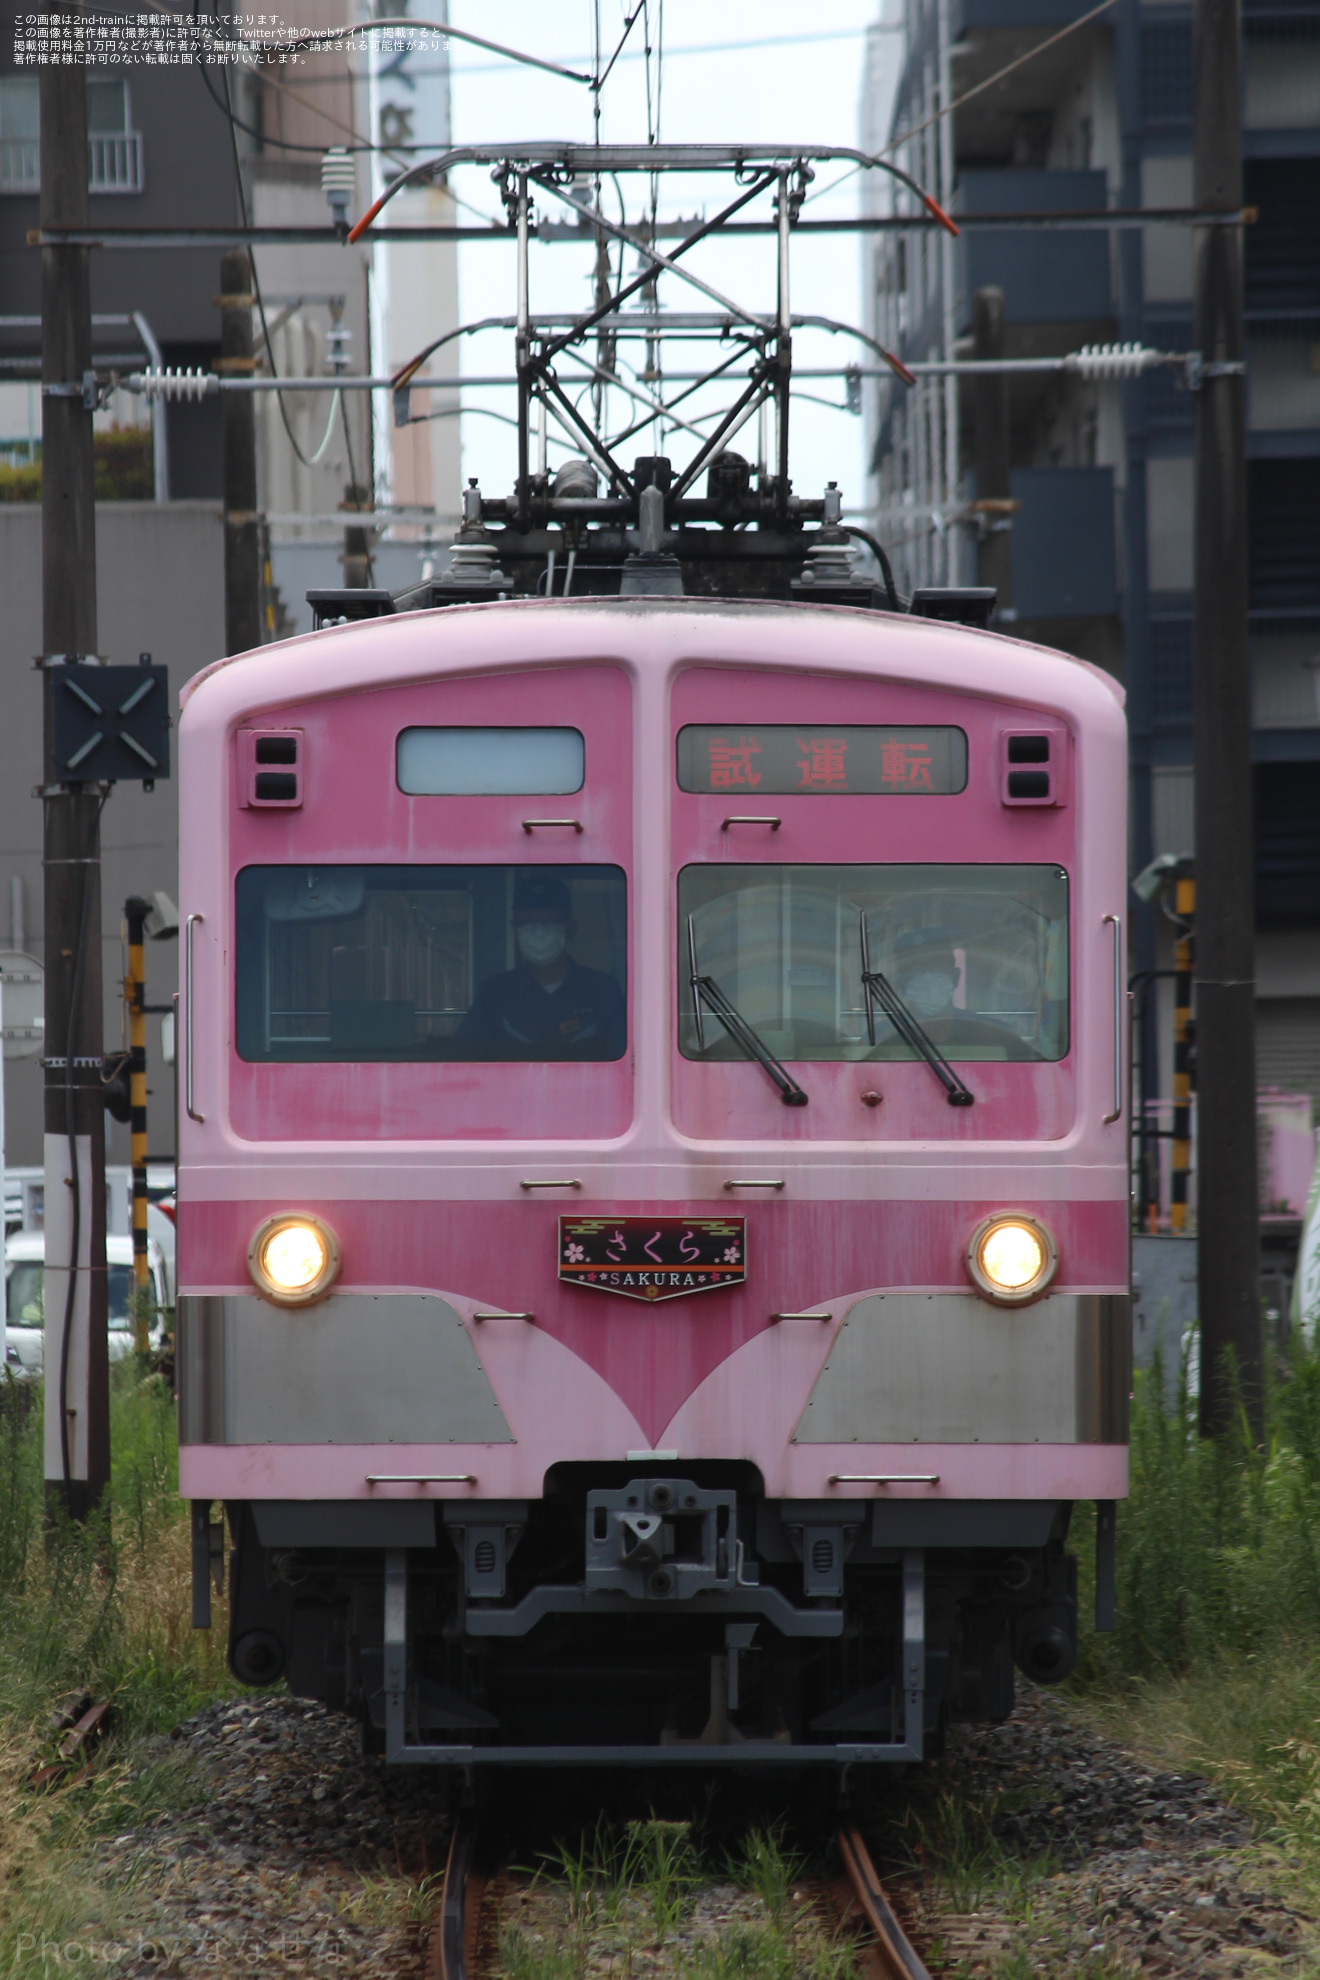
[(1199, 372), (88, 390)]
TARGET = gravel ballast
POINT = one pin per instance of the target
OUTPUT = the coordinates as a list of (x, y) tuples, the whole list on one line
[(299, 1857), (1140, 1871)]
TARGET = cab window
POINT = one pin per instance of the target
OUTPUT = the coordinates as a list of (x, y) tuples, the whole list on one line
[(366, 963), (977, 954)]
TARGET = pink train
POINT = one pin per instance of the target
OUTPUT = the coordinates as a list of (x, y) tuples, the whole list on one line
[(653, 1227)]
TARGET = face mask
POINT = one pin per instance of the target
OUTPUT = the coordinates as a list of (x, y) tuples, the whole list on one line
[(542, 941), (929, 993)]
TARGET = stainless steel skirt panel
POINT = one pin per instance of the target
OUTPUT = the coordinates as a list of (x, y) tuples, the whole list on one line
[(950, 1368), (359, 1368)]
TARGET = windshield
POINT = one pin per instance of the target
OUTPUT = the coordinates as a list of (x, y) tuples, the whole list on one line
[(978, 954), (23, 1294), (431, 962)]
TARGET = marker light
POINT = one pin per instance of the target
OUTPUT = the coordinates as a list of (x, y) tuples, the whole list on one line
[(1011, 1258), (293, 1259)]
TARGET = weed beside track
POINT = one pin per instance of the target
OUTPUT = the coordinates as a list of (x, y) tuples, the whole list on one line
[(656, 1897), (1162, 1817)]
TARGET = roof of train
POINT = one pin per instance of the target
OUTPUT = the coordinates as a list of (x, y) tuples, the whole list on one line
[(338, 659)]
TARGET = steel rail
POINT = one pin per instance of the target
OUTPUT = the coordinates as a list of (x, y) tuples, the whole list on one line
[(895, 1952), (451, 1947)]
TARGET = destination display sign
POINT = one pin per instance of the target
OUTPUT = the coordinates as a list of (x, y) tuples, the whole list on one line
[(653, 1257), (776, 760)]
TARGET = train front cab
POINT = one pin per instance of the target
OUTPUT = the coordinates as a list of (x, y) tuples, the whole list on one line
[(603, 1398)]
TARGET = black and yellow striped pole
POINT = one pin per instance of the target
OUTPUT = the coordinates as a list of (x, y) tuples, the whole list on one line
[(135, 983), (1184, 905)]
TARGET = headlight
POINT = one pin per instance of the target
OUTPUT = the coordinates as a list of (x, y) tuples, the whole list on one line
[(1011, 1258), (293, 1259)]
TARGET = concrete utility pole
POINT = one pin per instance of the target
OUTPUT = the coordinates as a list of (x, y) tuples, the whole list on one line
[(1228, 1215), (993, 488), (239, 458), (77, 1418)]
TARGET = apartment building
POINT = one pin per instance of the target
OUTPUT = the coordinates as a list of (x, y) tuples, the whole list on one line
[(189, 146), (1075, 496)]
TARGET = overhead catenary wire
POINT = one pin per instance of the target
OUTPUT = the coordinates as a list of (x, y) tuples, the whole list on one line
[(320, 37), (601, 79), (326, 36), (267, 139)]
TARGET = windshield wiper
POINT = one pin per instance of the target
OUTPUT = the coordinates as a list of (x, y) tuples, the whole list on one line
[(878, 986), (737, 1027)]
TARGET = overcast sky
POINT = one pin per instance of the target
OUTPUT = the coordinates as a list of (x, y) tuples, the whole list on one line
[(730, 72)]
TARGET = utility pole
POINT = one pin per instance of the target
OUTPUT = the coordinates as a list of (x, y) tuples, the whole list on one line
[(77, 1414), (1228, 1215), (239, 458), (994, 507)]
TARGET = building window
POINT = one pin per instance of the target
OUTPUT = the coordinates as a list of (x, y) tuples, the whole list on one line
[(1166, 72), (114, 147), (20, 151), (1171, 672)]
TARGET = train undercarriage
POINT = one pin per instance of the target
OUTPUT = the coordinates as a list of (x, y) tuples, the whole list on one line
[(659, 1617)]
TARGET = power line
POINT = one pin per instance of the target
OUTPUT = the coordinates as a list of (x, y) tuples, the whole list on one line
[(456, 69), (265, 329)]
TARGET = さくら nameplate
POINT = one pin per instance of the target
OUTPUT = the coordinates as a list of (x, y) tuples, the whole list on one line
[(653, 1257)]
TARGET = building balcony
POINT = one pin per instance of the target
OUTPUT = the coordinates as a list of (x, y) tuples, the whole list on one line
[(1047, 275), (114, 161)]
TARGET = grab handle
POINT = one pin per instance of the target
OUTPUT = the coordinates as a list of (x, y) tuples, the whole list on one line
[(1118, 1018), (193, 1114)]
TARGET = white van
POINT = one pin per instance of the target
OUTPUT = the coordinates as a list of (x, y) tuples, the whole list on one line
[(25, 1256)]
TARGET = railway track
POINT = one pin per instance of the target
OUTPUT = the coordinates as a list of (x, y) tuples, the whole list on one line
[(892, 1954), (454, 1942)]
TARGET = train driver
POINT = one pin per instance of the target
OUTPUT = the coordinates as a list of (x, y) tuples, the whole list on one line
[(926, 974), (549, 1006)]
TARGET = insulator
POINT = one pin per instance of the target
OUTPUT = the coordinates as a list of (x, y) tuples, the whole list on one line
[(1113, 360), (181, 383), (830, 562), (474, 565), (338, 172), (577, 479), (338, 180)]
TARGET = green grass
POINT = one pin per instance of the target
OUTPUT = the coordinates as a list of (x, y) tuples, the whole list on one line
[(654, 1897), (1215, 1661), (1214, 1665), (103, 1611), (767, 1866)]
